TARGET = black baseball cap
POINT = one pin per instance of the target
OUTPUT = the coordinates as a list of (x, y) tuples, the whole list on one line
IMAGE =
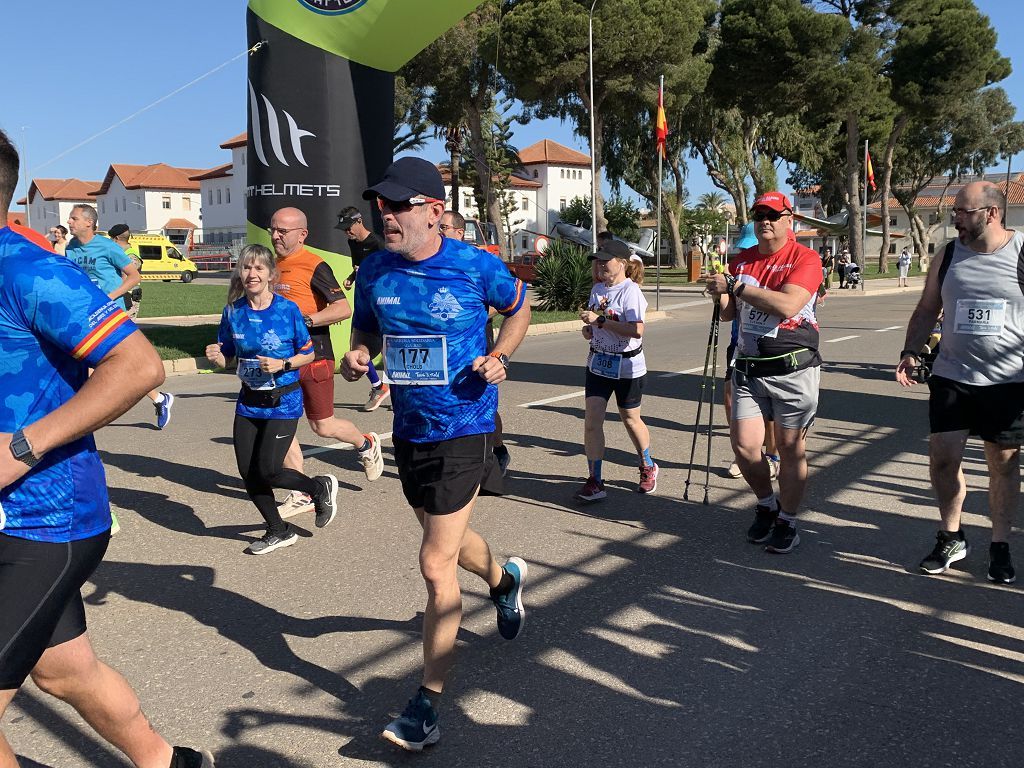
[(117, 230), (345, 222), (612, 249), (406, 178)]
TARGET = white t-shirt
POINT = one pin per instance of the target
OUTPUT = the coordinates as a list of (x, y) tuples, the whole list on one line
[(624, 302)]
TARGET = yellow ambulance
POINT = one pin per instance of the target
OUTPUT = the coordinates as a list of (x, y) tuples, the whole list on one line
[(161, 259)]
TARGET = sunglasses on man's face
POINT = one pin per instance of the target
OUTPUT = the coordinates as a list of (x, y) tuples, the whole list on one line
[(401, 206), (769, 215)]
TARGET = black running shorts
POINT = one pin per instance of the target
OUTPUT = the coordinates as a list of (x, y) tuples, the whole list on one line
[(41, 598), (628, 392), (443, 477), (995, 413)]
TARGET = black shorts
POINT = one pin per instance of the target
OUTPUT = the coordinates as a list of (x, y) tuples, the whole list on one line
[(628, 392), (41, 598), (995, 413), (443, 477)]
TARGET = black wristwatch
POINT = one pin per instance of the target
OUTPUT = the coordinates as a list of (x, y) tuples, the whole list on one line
[(730, 284), (503, 359), (287, 366), (600, 321), (21, 449), (308, 321), (912, 353), (738, 290)]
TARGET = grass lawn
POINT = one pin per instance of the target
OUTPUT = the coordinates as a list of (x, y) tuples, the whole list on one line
[(169, 299)]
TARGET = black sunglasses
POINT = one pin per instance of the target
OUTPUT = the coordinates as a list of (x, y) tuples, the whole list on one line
[(769, 215)]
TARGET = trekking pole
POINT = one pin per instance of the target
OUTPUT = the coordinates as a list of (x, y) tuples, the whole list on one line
[(716, 322), (700, 399)]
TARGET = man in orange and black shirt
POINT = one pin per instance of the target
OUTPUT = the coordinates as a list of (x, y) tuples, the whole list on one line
[(306, 279)]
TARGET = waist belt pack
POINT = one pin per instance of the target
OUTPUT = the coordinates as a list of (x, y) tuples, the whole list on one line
[(623, 355), (265, 398), (780, 365)]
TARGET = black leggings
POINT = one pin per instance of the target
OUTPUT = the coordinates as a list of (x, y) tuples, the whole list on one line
[(260, 448)]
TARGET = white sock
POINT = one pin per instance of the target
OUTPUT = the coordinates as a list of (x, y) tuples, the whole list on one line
[(768, 501)]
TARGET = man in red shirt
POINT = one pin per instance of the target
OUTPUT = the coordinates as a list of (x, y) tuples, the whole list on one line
[(306, 279), (771, 289)]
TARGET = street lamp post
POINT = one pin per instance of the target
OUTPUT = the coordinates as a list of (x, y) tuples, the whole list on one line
[(593, 158)]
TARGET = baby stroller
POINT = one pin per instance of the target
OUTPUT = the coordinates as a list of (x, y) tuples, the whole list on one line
[(852, 275)]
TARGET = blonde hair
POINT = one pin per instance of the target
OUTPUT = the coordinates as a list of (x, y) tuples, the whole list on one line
[(249, 254), (635, 269)]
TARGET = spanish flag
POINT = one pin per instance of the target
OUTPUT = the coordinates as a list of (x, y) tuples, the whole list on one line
[(661, 126), (870, 173)]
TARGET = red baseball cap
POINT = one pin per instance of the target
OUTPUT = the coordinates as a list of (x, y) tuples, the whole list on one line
[(775, 201)]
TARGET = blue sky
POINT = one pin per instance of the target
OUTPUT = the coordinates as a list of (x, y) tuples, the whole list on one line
[(74, 70)]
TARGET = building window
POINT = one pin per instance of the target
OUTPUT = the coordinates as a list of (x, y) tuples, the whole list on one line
[(227, 195), (563, 172), (892, 221), (892, 247), (115, 205), (931, 247), (561, 204), (467, 202), (124, 203), (535, 173), (167, 201), (103, 206), (933, 218), (210, 195), (524, 242), (218, 197), (524, 203), (186, 202)]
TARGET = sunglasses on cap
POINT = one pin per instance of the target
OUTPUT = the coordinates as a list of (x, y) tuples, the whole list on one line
[(401, 206), (769, 215)]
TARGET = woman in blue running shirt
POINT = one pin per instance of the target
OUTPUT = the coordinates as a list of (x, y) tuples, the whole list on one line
[(614, 327), (269, 338)]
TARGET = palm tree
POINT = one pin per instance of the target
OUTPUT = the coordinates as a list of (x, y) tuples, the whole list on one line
[(711, 201)]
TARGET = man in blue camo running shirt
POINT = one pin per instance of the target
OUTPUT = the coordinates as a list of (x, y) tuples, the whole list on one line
[(423, 302), (54, 512)]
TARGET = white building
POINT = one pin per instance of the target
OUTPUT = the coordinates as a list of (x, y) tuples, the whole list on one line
[(561, 173), (49, 201), (155, 198), (223, 192)]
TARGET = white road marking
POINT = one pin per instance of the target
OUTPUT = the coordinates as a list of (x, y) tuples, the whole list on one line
[(698, 303), (339, 446), (890, 328), (841, 338), (681, 373), (554, 399)]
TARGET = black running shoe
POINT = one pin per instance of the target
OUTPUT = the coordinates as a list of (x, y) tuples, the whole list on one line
[(761, 529), (949, 548), (326, 501), (185, 757), (1000, 567), (784, 537)]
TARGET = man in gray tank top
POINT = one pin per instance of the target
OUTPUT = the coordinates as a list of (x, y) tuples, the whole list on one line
[(977, 382)]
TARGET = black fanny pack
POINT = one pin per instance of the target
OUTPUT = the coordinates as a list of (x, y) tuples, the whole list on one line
[(624, 355), (780, 365), (265, 398)]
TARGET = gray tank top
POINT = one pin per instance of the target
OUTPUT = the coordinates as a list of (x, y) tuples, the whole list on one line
[(983, 316)]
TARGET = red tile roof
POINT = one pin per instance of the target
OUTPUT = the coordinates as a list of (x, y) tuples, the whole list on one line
[(516, 182), (219, 172), (156, 176), (238, 141), (552, 153), (63, 189), (179, 224)]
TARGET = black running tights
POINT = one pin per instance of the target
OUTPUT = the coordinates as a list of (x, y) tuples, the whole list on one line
[(260, 448)]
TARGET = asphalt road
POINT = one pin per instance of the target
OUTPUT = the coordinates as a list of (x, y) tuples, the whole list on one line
[(656, 635)]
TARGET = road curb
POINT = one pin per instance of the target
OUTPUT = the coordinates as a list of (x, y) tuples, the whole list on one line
[(187, 365)]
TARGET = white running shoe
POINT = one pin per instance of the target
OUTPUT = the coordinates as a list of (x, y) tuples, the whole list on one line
[(371, 458), (295, 504)]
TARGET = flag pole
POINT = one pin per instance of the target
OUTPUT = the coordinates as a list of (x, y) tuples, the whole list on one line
[(864, 227), (657, 224)]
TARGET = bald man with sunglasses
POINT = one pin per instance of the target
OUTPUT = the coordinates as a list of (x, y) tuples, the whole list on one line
[(771, 289)]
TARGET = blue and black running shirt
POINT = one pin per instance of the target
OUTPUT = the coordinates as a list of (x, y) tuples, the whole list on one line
[(431, 315), (54, 325), (277, 331)]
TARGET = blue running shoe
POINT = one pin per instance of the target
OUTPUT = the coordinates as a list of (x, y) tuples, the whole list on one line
[(417, 726), (163, 409), (511, 614)]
